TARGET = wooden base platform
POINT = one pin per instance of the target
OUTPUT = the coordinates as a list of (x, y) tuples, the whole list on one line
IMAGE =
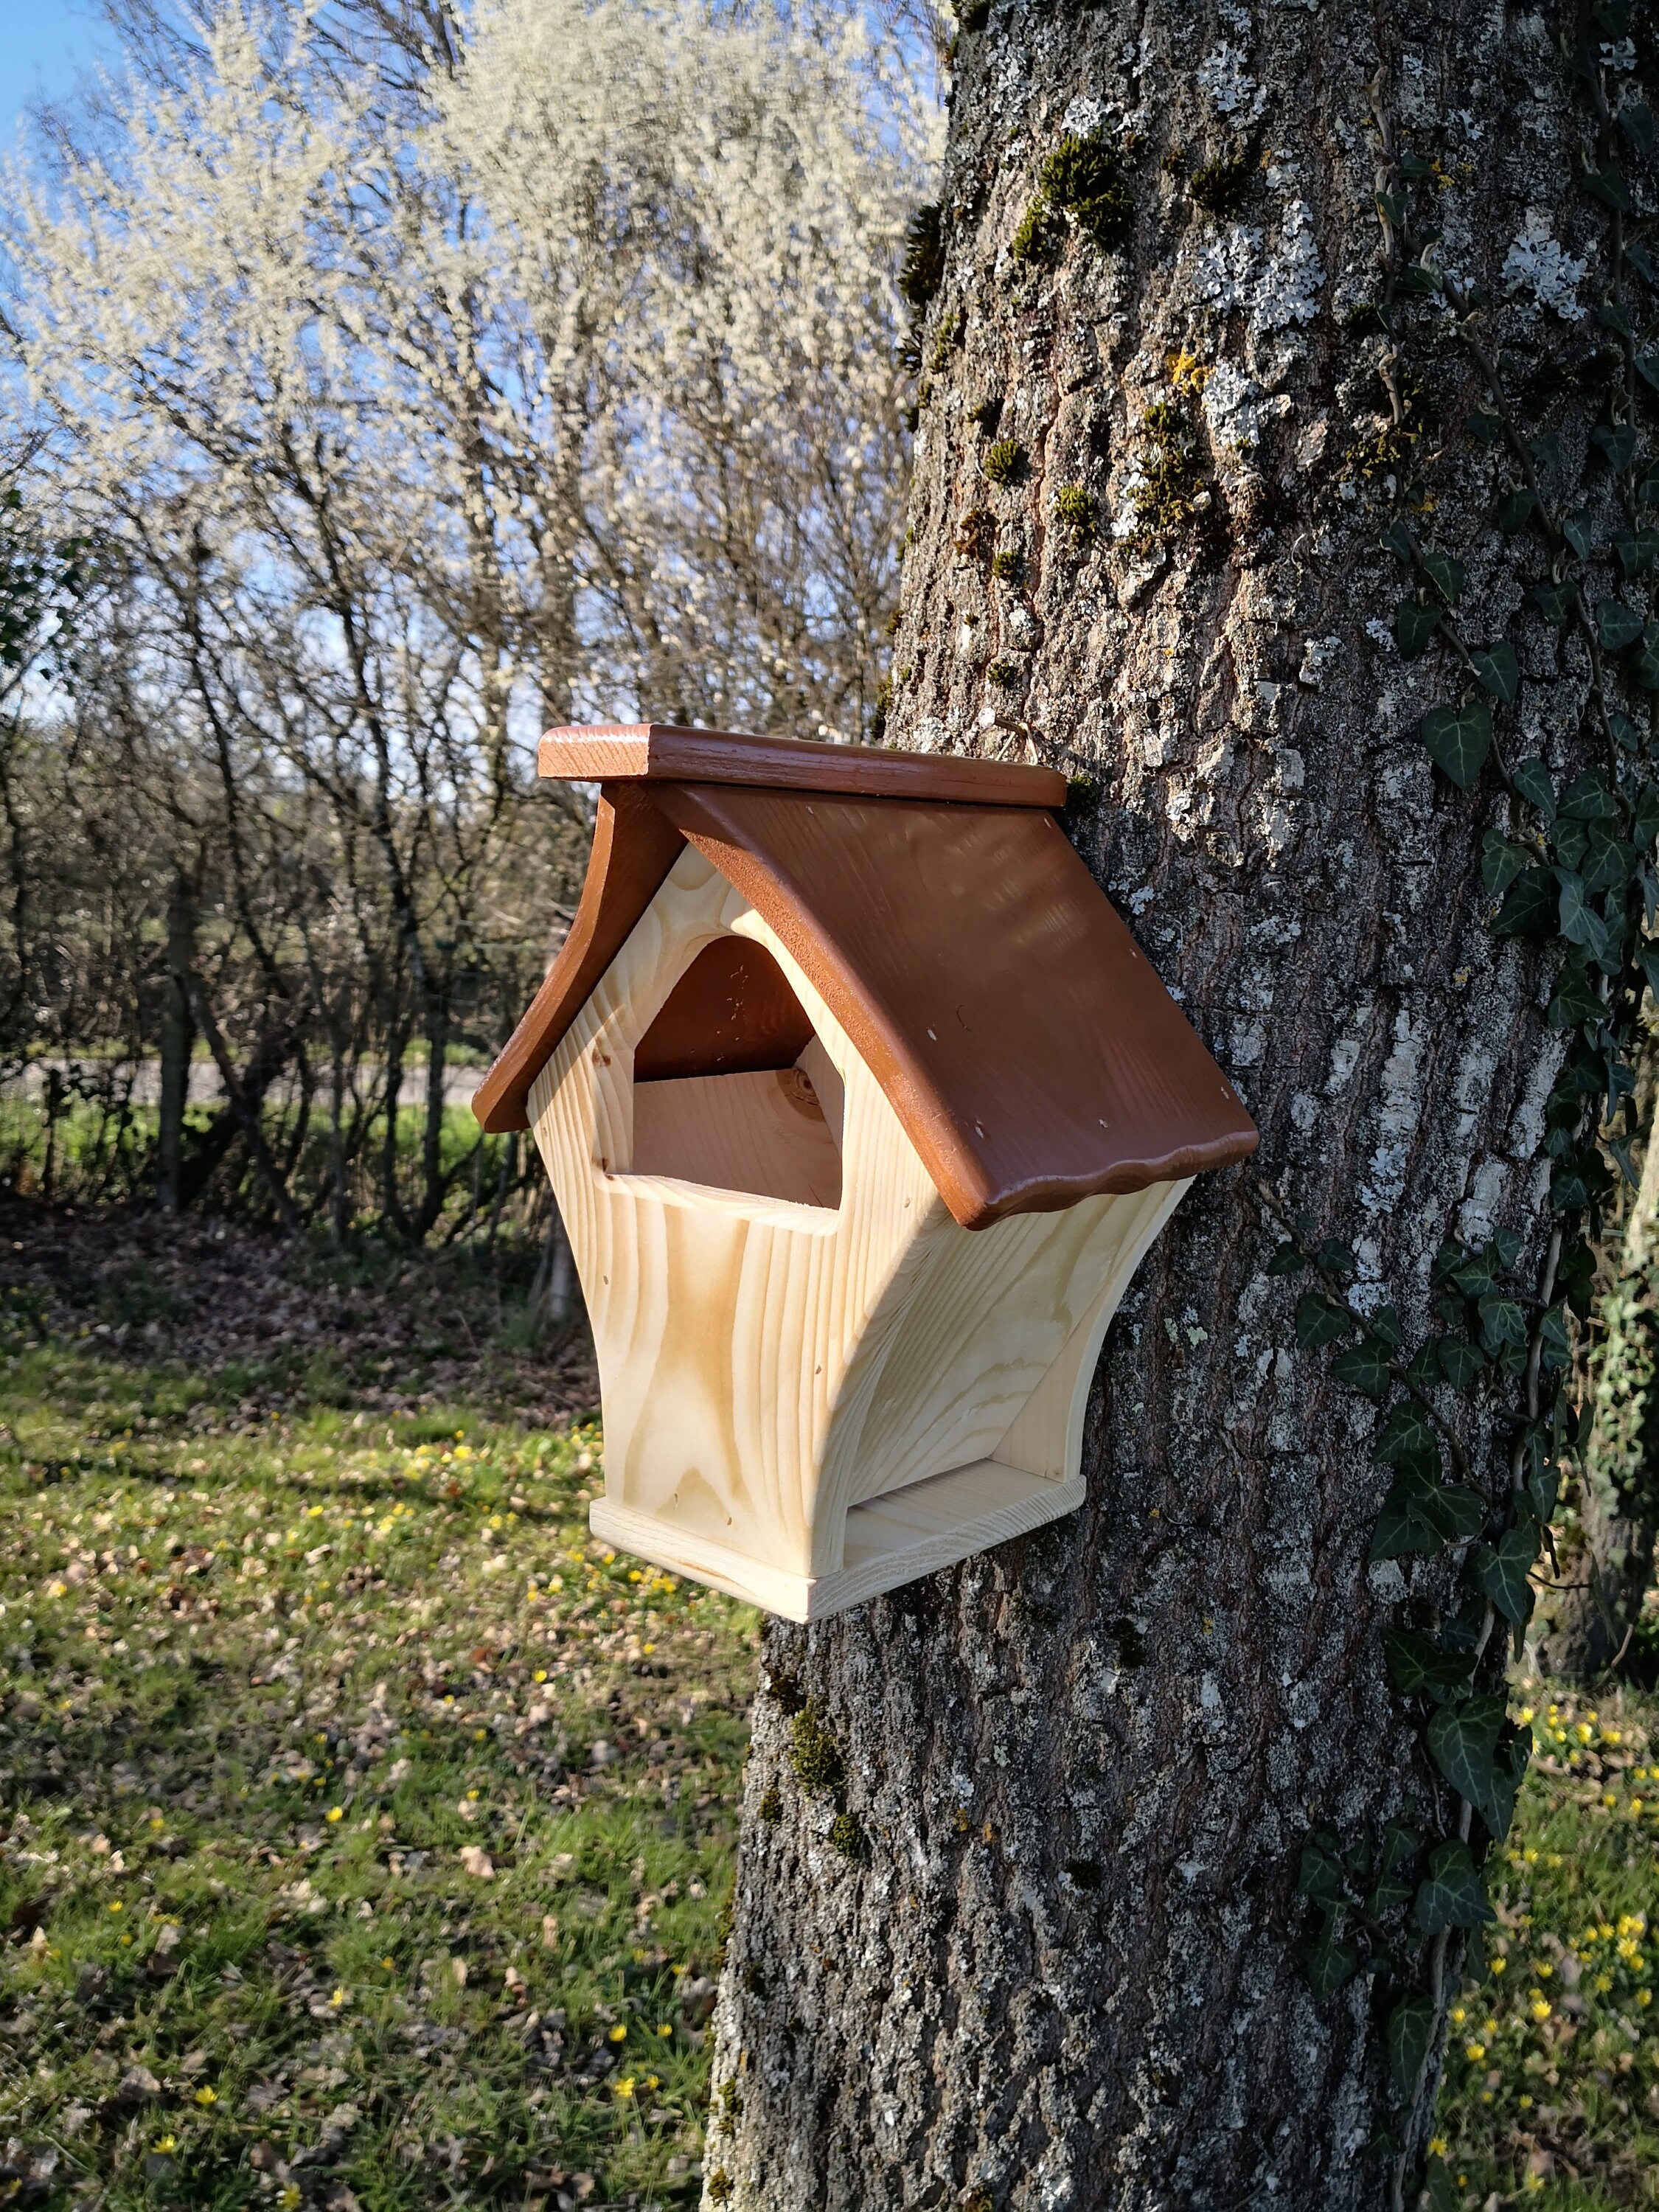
[(891, 1540)]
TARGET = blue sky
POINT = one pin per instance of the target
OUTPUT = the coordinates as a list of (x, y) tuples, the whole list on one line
[(44, 47)]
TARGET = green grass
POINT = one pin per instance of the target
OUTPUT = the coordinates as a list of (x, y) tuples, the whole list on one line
[(368, 1825), (364, 1825), (1551, 2090)]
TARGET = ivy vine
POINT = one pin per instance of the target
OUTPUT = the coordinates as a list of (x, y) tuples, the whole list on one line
[(1570, 865)]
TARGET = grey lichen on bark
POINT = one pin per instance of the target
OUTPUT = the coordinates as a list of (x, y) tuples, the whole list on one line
[(1062, 1968)]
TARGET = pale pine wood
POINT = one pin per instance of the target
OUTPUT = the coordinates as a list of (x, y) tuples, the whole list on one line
[(763, 1133), (816, 1385)]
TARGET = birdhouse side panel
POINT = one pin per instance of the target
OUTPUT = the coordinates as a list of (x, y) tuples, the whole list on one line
[(1045, 1436), (986, 1318)]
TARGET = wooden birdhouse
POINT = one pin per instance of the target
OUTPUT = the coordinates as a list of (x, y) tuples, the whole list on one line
[(861, 1106)]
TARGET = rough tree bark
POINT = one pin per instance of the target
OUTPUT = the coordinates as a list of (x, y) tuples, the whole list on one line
[(1054, 1960)]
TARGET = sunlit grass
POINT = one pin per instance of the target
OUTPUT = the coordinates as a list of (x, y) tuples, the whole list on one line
[(369, 1826), (1552, 2093)]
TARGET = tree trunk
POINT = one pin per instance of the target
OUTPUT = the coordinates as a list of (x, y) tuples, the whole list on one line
[(178, 1032), (1041, 1948)]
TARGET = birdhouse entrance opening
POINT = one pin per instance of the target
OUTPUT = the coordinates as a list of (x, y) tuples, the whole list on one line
[(732, 1088)]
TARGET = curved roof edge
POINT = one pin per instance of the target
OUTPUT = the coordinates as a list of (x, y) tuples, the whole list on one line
[(1029, 1049)]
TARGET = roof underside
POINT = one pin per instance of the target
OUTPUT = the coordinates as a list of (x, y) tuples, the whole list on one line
[(1028, 1050)]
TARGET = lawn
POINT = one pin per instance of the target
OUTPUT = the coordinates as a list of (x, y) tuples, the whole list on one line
[(366, 1827)]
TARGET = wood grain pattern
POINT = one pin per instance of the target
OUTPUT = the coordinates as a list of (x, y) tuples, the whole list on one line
[(764, 1133), (609, 751), (772, 1368)]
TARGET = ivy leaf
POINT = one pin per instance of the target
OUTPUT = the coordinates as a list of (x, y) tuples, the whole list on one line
[(1454, 1895), (1636, 549), (1500, 863), (1418, 1667), (1514, 510), (1334, 1257), (1487, 428), (1288, 1259), (1319, 1321), (1455, 1510), (1612, 317), (1329, 1963), (1570, 842), (1587, 798), (1400, 1846), (1391, 208), (1509, 1773), (1554, 602), (1460, 1361), (1543, 1486), (1408, 2036), (1546, 452), (1635, 121), (1555, 1344), (1616, 625), (1458, 740), (1626, 735), (1580, 923), (1637, 254), (1401, 1529), (1414, 625), (1643, 663), (1398, 540), (1577, 1276), (1463, 1742), (1575, 1002), (1319, 1873), (1616, 442), (1607, 860), (1530, 908), (1644, 822), (1447, 576), (1575, 529), (1364, 1366), (1501, 1571), (1405, 1434), (1608, 185), (1533, 782), (1647, 368), (1496, 670), (1505, 1248)]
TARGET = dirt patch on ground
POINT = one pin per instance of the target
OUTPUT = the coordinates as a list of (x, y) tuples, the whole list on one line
[(293, 1322)]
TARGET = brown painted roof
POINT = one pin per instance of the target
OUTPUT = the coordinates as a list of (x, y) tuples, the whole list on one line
[(657, 751), (1028, 1049)]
